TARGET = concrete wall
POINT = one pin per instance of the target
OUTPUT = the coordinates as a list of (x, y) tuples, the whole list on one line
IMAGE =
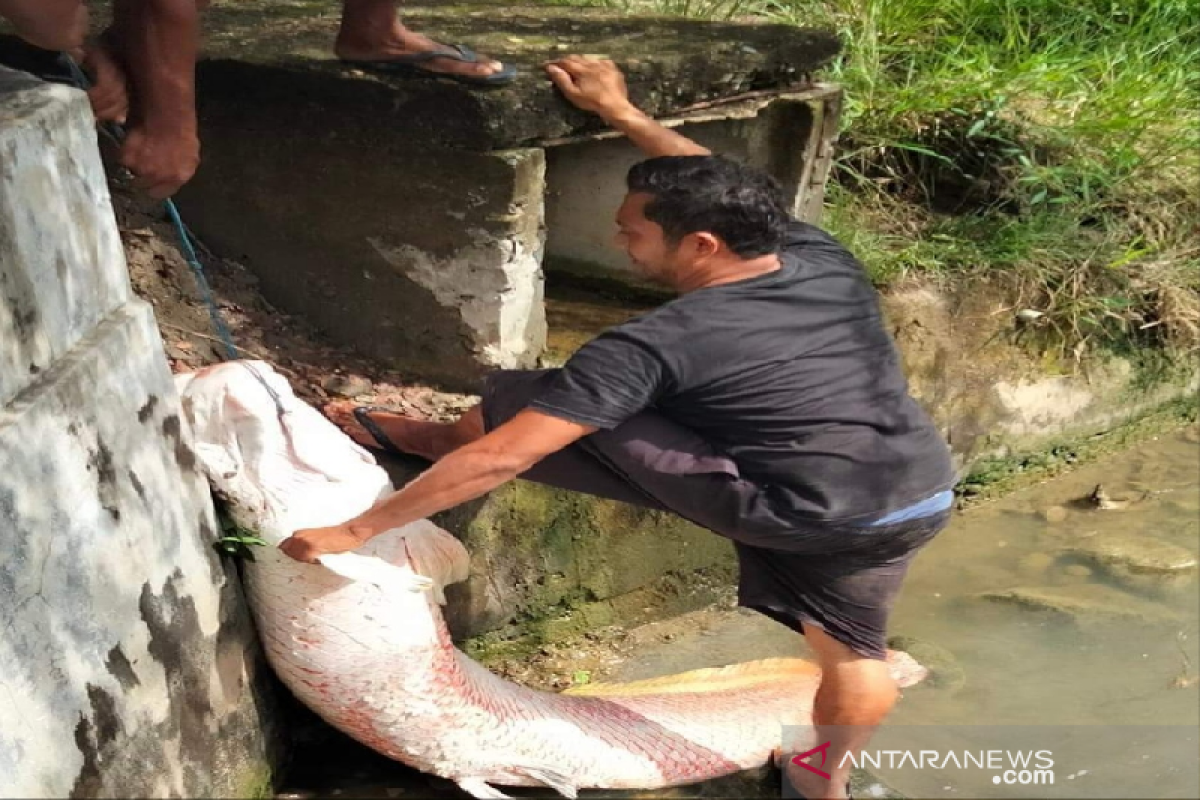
[(427, 259), (128, 666), (979, 374)]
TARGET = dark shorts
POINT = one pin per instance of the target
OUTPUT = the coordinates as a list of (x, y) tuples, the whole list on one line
[(842, 579)]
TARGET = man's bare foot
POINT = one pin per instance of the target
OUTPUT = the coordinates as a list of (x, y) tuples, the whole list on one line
[(371, 31), (812, 786), (416, 437)]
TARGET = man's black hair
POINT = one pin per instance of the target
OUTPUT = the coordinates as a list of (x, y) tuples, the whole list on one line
[(741, 205)]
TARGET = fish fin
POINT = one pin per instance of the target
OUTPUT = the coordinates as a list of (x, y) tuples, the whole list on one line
[(480, 790), (365, 569), (715, 679), (557, 781)]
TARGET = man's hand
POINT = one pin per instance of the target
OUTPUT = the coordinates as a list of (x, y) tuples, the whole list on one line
[(598, 86), (109, 93), (306, 545), (161, 160), (593, 85)]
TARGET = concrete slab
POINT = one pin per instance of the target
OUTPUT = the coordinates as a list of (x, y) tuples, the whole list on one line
[(280, 53), (62, 269)]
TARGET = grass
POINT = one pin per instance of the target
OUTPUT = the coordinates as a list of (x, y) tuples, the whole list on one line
[(1048, 148)]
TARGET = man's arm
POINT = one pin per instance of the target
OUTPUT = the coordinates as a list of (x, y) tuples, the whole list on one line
[(599, 87), (463, 475), (48, 24), (157, 41)]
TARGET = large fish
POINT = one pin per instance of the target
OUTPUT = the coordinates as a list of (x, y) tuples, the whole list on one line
[(360, 638)]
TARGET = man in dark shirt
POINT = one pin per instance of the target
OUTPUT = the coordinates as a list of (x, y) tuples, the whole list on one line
[(765, 403)]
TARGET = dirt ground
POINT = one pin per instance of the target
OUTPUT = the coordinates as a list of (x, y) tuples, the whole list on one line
[(318, 370)]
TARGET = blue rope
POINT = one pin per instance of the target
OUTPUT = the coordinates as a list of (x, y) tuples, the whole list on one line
[(186, 242), (189, 255)]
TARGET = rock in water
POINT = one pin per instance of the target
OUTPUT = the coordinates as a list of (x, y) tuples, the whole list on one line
[(1054, 514), (1138, 562), (1084, 604), (945, 672)]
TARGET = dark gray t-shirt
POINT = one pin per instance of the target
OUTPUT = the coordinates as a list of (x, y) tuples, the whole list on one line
[(791, 374)]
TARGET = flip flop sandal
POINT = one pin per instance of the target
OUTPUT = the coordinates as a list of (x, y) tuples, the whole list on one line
[(362, 417), (411, 65)]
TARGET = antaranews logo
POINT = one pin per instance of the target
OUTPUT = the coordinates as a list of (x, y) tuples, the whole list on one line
[(1010, 767), (998, 762)]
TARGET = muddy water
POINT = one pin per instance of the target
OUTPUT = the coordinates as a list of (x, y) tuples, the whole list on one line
[(1109, 660)]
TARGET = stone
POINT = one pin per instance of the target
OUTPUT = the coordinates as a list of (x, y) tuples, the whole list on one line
[(347, 385), (1077, 571), (1137, 561), (430, 259), (1084, 604), (1054, 514), (529, 563), (945, 671), (128, 662)]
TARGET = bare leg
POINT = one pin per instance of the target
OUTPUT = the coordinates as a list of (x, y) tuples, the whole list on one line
[(371, 31), (430, 440), (855, 696)]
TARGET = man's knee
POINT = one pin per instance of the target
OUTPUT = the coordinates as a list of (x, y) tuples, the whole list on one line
[(856, 689)]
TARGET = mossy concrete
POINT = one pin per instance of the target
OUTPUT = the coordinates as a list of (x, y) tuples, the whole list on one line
[(277, 55), (547, 563)]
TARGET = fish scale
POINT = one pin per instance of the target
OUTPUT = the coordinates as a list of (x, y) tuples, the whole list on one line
[(360, 638)]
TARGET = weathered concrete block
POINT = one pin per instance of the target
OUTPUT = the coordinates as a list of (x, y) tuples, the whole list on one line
[(128, 665), (670, 63), (62, 269), (429, 260), (539, 553)]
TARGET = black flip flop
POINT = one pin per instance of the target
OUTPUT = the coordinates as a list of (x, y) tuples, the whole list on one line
[(362, 417), (411, 65)]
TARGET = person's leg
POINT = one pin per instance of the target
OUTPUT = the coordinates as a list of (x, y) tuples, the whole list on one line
[(371, 31), (855, 696), (841, 600)]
